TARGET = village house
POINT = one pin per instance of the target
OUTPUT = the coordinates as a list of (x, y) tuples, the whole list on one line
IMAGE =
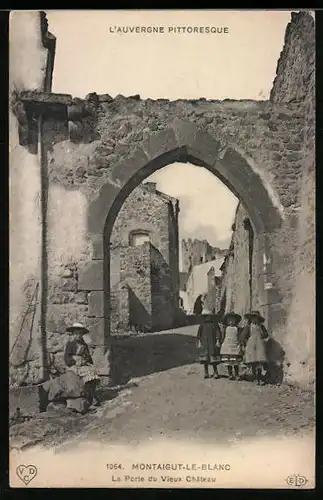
[(203, 279), (144, 260)]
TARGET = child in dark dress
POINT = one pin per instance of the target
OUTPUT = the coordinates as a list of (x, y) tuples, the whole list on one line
[(209, 338)]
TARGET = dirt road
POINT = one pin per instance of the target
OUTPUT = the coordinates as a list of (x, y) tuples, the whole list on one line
[(179, 403)]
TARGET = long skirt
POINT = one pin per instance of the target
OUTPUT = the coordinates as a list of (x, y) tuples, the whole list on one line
[(210, 357), (230, 350), (255, 353), (231, 359)]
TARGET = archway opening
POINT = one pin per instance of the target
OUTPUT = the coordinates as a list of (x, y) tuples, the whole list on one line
[(167, 246), (182, 142)]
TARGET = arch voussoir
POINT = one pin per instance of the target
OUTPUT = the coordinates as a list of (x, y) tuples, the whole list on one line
[(124, 170), (160, 143), (199, 143)]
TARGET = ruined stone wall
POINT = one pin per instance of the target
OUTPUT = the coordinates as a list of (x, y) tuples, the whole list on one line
[(149, 210), (266, 133), (73, 297), (143, 210), (28, 65), (195, 250), (213, 296), (236, 275), (135, 278), (164, 294), (295, 80)]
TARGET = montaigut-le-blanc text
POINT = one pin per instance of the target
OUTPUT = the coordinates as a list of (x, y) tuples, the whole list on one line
[(181, 467), (123, 30)]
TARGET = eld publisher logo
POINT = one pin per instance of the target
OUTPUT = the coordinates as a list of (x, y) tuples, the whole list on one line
[(296, 480)]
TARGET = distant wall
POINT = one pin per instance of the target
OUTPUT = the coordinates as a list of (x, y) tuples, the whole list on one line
[(236, 274), (198, 283), (194, 252)]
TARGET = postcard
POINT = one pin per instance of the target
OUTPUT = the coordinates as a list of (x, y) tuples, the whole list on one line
[(162, 249)]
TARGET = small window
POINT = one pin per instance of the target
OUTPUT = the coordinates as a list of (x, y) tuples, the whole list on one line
[(138, 238)]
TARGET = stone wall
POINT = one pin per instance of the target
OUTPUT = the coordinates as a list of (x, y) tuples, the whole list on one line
[(295, 80), (295, 325), (78, 171), (144, 210), (236, 273), (29, 68), (213, 296), (195, 252), (164, 295), (136, 300), (155, 213), (135, 278)]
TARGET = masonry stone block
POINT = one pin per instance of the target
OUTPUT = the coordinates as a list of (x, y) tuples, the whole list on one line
[(97, 244), (159, 143), (96, 327), (126, 168), (259, 202), (101, 360), (91, 276), (81, 298), (99, 208), (96, 304), (68, 284), (200, 145)]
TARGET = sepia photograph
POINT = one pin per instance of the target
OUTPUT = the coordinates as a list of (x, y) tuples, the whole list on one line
[(162, 249)]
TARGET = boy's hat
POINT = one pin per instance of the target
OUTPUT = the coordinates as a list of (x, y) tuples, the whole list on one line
[(77, 327)]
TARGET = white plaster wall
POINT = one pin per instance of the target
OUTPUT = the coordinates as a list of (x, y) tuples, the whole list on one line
[(197, 282), (26, 72), (27, 56)]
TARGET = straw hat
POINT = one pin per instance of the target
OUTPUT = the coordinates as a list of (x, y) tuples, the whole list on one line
[(233, 315), (77, 327), (255, 314)]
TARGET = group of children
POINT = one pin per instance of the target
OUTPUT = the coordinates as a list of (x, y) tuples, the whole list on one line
[(231, 344)]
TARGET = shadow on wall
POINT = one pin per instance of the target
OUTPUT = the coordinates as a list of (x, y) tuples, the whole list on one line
[(139, 356), (276, 357), (162, 296)]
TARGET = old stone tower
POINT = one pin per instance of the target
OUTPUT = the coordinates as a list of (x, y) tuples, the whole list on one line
[(195, 252), (74, 162), (144, 274)]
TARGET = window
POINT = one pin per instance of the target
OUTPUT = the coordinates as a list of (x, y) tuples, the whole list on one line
[(138, 238)]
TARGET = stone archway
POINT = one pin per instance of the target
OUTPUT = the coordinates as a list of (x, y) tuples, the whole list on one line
[(182, 142)]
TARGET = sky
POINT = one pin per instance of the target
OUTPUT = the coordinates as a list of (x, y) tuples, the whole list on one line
[(239, 64)]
